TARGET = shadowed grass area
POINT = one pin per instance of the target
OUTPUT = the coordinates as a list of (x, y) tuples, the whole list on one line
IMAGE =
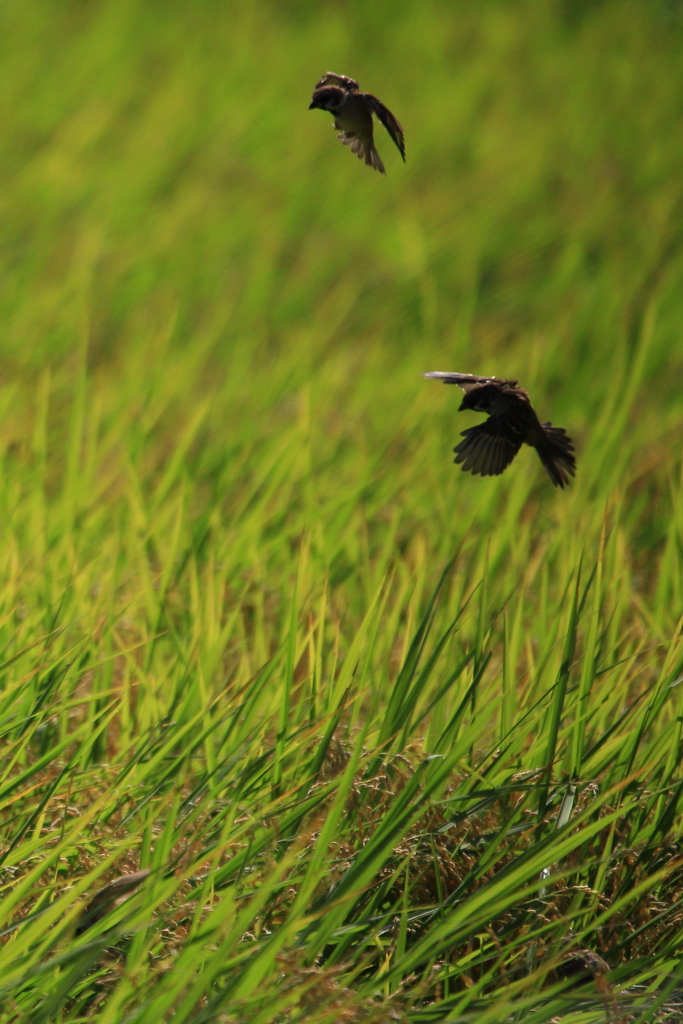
[(392, 740)]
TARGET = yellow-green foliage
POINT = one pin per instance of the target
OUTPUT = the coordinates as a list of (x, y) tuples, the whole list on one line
[(227, 499)]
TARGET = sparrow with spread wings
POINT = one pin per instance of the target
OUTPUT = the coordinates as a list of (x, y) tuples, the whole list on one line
[(353, 110), (490, 447)]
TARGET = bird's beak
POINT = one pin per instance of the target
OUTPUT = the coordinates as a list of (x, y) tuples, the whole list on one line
[(462, 406), (313, 105)]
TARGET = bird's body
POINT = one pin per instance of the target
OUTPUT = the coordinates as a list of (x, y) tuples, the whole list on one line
[(490, 447), (110, 896), (582, 964), (353, 117)]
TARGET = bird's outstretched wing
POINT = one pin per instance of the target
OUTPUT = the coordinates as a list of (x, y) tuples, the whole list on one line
[(384, 115), (343, 81), (466, 381), (488, 448)]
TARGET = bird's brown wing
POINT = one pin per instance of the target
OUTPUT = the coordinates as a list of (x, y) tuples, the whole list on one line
[(384, 115), (466, 381), (488, 448), (343, 81)]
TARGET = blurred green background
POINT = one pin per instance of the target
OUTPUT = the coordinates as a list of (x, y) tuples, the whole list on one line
[(169, 201)]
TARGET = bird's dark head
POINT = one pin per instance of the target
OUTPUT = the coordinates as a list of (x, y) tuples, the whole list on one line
[(331, 98), (479, 399)]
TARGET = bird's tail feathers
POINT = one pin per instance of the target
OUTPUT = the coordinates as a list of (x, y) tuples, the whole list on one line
[(365, 151), (556, 452)]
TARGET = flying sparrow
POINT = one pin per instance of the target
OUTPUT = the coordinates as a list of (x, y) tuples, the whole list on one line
[(582, 964), (353, 112), (110, 896), (490, 447)]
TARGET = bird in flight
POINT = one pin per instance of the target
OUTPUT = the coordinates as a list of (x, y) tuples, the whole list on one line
[(109, 897), (353, 110), (490, 447)]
